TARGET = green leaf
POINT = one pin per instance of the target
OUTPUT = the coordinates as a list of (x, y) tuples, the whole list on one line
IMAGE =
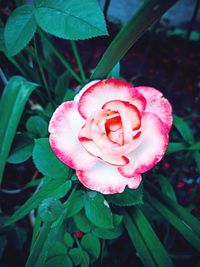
[(129, 34), (37, 126), (115, 71), (50, 209), (12, 103), (69, 95), (53, 188), (57, 249), (39, 244), (79, 256), (184, 129), (36, 230), (117, 219), (61, 261), (69, 21), (81, 221), (157, 250), (129, 197), (49, 110), (19, 29), (166, 187), (68, 240), (138, 241), (177, 209), (98, 211), (91, 244), (43, 243), (108, 233), (180, 225), (195, 146), (62, 86), (175, 147), (22, 149), (75, 203), (46, 161)]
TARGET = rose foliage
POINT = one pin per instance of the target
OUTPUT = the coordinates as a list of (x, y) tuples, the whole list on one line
[(111, 133)]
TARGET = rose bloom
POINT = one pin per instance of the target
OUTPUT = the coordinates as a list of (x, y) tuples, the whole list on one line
[(111, 133)]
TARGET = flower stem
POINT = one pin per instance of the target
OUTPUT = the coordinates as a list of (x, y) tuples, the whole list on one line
[(32, 52), (42, 71), (78, 60), (58, 54)]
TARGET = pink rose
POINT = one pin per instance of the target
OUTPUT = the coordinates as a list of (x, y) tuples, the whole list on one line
[(111, 133)]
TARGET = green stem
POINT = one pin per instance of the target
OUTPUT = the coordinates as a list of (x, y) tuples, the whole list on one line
[(21, 64), (66, 203), (78, 60), (42, 71), (58, 54), (129, 34), (36, 228), (105, 9), (32, 52), (79, 246), (15, 63), (3, 77)]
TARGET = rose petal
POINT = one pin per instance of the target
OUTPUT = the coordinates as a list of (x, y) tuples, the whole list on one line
[(130, 117), (157, 104), (64, 127), (151, 149), (103, 142), (94, 141), (106, 90), (106, 179), (88, 85)]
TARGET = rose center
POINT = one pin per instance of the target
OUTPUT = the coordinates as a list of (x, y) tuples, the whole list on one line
[(113, 127)]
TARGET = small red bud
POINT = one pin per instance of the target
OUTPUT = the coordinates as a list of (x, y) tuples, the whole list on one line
[(166, 165), (180, 184), (79, 234)]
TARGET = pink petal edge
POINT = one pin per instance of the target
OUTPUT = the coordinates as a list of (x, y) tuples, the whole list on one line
[(106, 179), (88, 85), (106, 90), (157, 104), (151, 149), (64, 127)]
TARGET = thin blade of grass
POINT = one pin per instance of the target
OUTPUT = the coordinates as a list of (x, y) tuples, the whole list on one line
[(12, 103)]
